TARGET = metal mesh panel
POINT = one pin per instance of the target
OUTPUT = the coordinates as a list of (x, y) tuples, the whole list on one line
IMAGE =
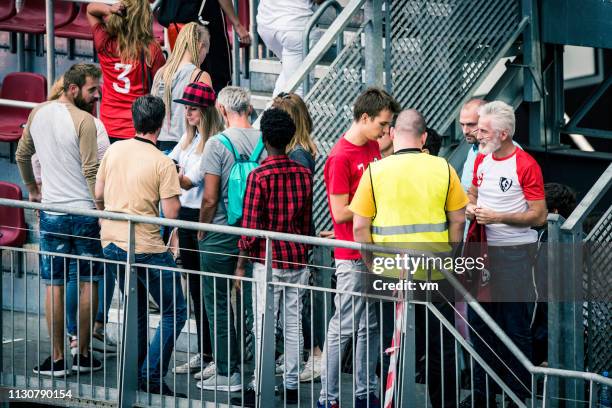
[(598, 314), (330, 104), (439, 52), (440, 49)]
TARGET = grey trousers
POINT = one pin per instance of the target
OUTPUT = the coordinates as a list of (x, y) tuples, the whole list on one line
[(352, 314)]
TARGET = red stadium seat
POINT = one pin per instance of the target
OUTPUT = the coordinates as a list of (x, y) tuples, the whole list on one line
[(31, 18), (7, 9), (22, 86), (12, 220), (78, 29)]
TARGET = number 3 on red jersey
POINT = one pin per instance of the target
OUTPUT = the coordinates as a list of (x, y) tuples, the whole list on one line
[(125, 70)]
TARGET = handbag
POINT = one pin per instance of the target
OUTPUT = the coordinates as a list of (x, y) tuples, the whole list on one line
[(477, 279)]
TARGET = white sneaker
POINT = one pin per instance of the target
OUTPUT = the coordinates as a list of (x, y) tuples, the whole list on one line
[(312, 369), (194, 364), (74, 344), (209, 371), (221, 383), (280, 364)]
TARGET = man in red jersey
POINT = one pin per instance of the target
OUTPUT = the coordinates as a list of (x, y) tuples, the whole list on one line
[(129, 58), (372, 114)]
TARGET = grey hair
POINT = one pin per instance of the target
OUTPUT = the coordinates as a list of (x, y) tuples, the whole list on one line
[(235, 99), (502, 116)]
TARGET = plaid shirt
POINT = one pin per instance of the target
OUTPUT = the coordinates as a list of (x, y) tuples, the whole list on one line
[(278, 198)]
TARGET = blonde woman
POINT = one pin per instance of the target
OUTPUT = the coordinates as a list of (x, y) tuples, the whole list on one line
[(202, 121), (301, 148), (129, 58), (181, 69)]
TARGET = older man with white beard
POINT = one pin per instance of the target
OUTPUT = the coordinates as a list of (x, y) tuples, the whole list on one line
[(507, 197)]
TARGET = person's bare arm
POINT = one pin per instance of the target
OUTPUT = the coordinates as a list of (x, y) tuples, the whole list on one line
[(210, 198), (228, 9), (456, 225), (97, 12), (362, 233), (171, 207), (533, 217), (99, 194), (473, 197), (339, 204)]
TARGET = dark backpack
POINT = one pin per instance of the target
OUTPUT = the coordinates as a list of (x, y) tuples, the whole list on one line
[(179, 11)]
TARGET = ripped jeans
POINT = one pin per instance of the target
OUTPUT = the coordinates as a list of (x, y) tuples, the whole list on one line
[(69, 234)]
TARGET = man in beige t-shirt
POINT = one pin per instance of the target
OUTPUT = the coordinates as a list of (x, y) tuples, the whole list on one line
[(134, 178)]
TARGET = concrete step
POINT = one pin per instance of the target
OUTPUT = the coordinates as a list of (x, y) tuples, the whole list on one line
[(265, 72)]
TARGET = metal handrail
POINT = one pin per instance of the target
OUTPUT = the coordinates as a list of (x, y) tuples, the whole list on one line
[(311, 23), (325, 242), (590, 200), (18, 104)]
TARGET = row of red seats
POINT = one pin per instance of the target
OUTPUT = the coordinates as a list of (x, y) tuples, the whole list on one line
[(70, 21)]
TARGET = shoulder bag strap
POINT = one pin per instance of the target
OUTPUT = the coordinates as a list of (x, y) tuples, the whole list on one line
[(257, 151), (228, 144)]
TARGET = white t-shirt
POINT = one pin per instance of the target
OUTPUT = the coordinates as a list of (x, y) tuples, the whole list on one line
[(284, 15), (190, 160), (505, 185)]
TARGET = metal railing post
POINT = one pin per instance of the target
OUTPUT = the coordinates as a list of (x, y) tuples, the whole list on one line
[(50, 44), (373, 53), (554, 307), (266, 369), (128, 359), (236, 50), (407, 385)]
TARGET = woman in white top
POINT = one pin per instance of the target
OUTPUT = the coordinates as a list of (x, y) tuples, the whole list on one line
[(201, 122), (189, 52)]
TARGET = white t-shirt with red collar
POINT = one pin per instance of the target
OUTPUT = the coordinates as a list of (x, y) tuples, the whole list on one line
[(505, 185)]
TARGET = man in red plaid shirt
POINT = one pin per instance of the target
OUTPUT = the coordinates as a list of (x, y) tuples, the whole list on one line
[(278, 198)]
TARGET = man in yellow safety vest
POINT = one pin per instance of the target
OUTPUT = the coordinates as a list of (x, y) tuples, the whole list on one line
[(415, 200)]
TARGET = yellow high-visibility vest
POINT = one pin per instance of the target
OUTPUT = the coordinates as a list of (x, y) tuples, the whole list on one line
[(410, 191)]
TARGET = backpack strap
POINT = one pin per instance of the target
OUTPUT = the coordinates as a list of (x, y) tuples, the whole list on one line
[(257, 151), (228, 144)]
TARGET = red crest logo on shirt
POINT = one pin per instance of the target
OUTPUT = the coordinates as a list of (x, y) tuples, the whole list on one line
[(479, 180)]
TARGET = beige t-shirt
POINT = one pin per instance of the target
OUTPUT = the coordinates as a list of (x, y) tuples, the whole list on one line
[(136, 177)]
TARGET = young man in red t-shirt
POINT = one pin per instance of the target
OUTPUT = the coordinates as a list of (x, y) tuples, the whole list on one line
[(373, 112), (122, 72)]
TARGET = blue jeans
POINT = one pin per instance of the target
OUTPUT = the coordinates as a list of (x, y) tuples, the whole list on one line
[(164, 286), (72, 301), (69, 234)]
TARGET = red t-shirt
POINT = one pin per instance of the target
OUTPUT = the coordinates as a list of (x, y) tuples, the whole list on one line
[(343, 169), (123, 83)]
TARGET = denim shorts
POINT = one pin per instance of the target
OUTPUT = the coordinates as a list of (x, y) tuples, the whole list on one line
[(74, 235)]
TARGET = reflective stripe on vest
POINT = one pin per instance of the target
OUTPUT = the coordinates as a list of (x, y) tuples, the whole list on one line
[(410, 193)]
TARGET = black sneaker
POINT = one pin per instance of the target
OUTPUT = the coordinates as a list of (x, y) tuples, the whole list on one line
[(250, 397), (52, 368), (291, 395), (163, 390), (85, 364)]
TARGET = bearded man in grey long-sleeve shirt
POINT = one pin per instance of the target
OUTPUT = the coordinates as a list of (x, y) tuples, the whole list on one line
[(63, 134)]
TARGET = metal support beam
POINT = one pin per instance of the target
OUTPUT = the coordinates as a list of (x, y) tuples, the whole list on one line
[(128, 352), (374, 55), (589, 103), (49, 20), (265, 369), (236, 51)]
